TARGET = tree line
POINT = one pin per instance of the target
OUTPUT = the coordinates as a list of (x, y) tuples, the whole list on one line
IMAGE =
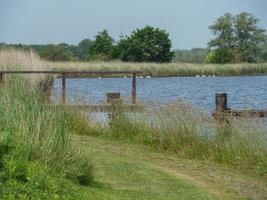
[(237, 38), (148, 44)]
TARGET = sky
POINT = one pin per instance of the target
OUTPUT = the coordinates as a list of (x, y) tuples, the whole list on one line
[(70, 21)]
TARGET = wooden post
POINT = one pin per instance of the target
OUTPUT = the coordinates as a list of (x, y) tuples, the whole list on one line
[(1, 78), (223, 119), (63, 92), (134, 89), (113, 98), (220, 102)]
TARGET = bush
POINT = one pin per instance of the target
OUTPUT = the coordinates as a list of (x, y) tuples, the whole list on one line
[(220, 56), (56, 53)]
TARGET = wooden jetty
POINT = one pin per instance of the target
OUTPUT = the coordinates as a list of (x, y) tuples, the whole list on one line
[(113, 99), (221, 108)]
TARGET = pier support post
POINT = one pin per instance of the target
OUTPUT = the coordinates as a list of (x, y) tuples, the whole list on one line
[(134, 89), (223, 119), (114, 100), (220, 102), (1, 78), (63, 92)]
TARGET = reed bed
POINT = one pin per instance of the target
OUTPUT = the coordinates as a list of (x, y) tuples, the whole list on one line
[(13, 59), (35, 139), (191, 133), (167, 69)]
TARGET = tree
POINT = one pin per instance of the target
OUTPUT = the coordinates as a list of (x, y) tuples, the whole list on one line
[(195, 55), (250, 38), (224, 31), (56, 53), (146, 45), (239, 36), (84, 48), (263, 56), (102, 45), (221, 56)]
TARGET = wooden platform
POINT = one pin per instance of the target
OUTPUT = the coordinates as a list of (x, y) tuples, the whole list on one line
[(105, 108), (221, 108)]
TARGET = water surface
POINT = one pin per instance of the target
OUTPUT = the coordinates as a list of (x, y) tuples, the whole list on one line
[(243, 91)]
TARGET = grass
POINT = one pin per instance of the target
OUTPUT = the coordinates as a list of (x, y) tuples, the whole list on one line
[(166, 152), (33, 62), (37, 159), (167, 69), (192, 134), (126, 170)]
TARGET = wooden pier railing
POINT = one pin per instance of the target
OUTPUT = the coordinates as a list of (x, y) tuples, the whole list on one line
[(78, 74)]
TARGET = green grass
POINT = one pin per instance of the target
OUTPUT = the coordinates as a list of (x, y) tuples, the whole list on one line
[(166, 152), (133, 171), (192, 134), (12, 59), (167, 69), (164, 168), (32, 132)]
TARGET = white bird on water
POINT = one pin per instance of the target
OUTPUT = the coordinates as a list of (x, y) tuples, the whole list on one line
[(99, 77), (197, 76), (148, 76)]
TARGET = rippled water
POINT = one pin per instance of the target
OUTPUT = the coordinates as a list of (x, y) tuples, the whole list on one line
[(243, 91)]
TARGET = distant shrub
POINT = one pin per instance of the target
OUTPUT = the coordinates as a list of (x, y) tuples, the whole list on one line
[(220, 56), (56, 53)]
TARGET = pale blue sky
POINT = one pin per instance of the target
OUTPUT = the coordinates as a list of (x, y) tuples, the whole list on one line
[(55, 21)]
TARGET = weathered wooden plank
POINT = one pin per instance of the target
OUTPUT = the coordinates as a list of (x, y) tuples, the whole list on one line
[(248, 113), (68, 72), (105, 108)]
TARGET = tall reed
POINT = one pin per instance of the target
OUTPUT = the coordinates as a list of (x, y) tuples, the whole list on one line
[(167, 69), (193, 133), (30, 129)]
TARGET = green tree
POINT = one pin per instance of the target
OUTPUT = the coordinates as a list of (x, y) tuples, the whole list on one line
[(263, 56), (56, 53), (223, 29), (195, 55), (84, 48), (239, 36), (250, 38), (146, 45), (102, 46), (220, 56)]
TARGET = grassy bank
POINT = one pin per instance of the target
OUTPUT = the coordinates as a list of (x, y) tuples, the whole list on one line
[(169, 151), (192, 134), (167, 69), (133, 171)]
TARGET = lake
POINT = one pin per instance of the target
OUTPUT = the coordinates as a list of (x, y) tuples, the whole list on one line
[(243, 91)]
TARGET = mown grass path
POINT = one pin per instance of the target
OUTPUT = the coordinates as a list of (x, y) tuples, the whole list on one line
[(130, 171)]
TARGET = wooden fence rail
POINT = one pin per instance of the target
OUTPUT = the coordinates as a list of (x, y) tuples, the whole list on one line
[(78, 74)]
